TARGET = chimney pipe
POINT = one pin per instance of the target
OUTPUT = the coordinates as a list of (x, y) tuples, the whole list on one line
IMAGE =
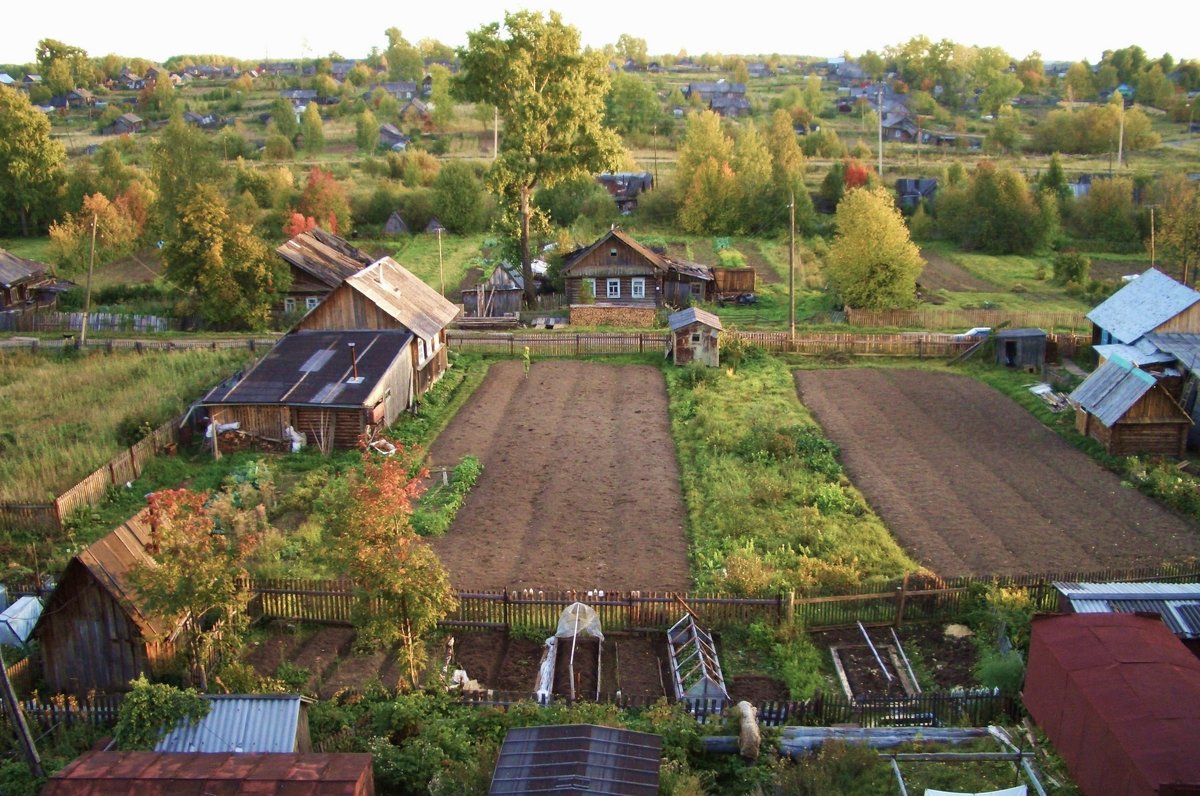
[(353, 362)]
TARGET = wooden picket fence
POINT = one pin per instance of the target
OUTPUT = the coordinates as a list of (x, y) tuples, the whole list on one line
[(100, 710), (965, 319), (892, 603), (124, 467), (569, 344)]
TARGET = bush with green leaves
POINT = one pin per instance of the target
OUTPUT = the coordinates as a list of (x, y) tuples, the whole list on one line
[(440, 505), (150, 710), (1072, 267), (1003, 670)]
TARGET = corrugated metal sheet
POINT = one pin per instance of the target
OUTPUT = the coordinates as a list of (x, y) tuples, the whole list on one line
[(1112, 389), (1177, 603), (680, 319), (577, 760), (313, 368), (1142, 306), (240, 723), (404, 297), (1182, 346)]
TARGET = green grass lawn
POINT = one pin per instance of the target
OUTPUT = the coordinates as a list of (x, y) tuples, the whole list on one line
[(36, 248)]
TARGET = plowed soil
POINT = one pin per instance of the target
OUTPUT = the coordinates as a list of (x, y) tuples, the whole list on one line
[(941, 273), (580, 487), (971, 484)]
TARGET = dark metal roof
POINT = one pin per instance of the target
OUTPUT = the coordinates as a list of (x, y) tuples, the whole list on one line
[(1112, 389), (577, 760), (1012, 333), (15, 270), (314, 368), (1177, 603), (691, 315), (240, 723), (120, 773), (324, 256), (1142, 306)]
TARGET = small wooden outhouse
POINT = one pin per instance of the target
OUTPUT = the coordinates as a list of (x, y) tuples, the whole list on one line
[(1130, 411), (1024, 349), (695, 337)]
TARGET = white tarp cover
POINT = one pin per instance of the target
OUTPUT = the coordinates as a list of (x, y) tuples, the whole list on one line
[(1020, 790), (581, 619), (17, 621)]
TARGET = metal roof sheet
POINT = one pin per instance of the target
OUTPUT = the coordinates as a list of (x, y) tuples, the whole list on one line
[(1177, 603), (577, 760), (1112, 389), (1011, 333), (1142, 306), (399, 293), (1181, 345), (1135, 353), (240, 723), (680, 319), (314, 368)]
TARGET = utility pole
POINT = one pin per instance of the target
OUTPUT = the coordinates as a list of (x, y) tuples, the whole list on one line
[(87, 299), (656, 154), (441, 273), (1151, 236), (880, 115), (792, 266), (1121, 138), (17, 719)]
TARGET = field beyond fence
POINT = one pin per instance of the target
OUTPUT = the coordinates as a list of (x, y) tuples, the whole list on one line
[(966, 319)]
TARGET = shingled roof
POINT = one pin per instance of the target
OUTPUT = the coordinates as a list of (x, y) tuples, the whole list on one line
[(324, 256)]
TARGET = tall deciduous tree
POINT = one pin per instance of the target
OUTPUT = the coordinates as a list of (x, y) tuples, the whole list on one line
[(180, 162), (404, 60), (1179, 235), (314, 130), (117, 232), (442, 113), (233, 276), (324, 199), (631, 105), (366, 131), (550, 95), (872, 263), (31, 164), (458, 197), (994, 212)]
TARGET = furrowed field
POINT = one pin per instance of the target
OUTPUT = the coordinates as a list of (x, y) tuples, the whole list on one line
[(61, 417)]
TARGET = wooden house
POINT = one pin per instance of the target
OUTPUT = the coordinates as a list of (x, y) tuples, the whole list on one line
[(618, 280), (392, 138), (695, 337), (320, 261), (1024, 349), (24, 282), (94, 633), (1130, 411), (334, 393), (626, 186), (498, 295), (395, 225), (1152, 303), (125, 124)]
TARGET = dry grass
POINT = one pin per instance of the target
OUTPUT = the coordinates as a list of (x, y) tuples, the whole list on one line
[(59, 414)]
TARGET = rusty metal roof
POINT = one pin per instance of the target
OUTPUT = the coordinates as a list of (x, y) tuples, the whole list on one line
[(120, 773), (314, 368), (396, 291), (577, 760), (324, 256)]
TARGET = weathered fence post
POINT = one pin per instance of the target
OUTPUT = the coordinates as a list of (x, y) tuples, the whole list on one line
[(507, 623), (901, 598), (789, 608)]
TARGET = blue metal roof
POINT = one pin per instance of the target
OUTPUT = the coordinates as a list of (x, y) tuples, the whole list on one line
[(1181, 345), (1140, 353), (1177, 603), (240, 723), (1142, 306), (1112, 389)]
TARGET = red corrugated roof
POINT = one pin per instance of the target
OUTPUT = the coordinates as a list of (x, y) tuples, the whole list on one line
[(1119, 696), (119, 773)]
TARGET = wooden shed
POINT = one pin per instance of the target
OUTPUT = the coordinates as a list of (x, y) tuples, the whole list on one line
[(395, 225), (498, 295), (1130, 411), (332, 386), (1024, 349), (695, 337), (384, 296), (94, 633)]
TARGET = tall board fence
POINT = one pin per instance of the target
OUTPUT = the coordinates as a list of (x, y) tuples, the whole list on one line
[(50, 321), (891, 603), (125, 466), (965, 319), (142, 346), (569, 344)]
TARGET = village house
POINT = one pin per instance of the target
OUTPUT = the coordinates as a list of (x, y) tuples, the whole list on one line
[(125, 124), (95, 634), (1152, 303), (319, 262), (626, 186), (395, 226), (26, 283), (727, 99), (366, 353), (390, 137), (618, 280)]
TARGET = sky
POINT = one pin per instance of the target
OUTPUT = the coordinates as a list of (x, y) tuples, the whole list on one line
[(1058, 29)]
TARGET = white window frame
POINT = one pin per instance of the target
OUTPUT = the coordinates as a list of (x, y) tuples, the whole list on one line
[(637, 288), (590, 283), (289, 304), (311, 302), (612, 288)]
